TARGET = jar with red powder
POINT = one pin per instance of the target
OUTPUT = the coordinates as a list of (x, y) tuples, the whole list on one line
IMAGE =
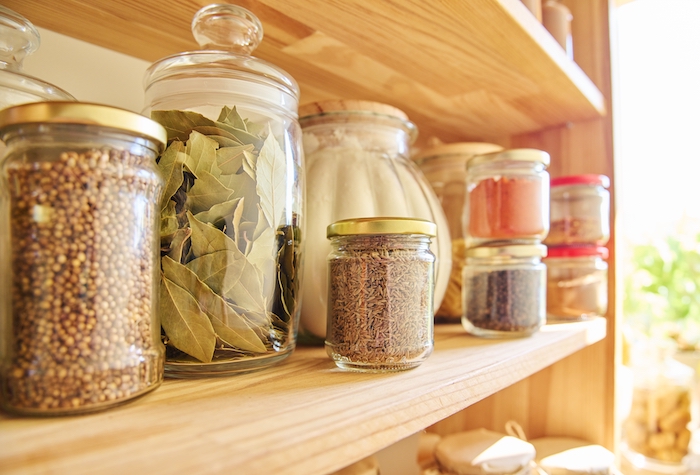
[(507, 197)]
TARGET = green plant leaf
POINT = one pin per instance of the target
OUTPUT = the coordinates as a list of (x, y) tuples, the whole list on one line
[(230, 159), (271, 184), (230, 275), (187, 327), (179, 124), (231, 327), (207, 239), (207, 192), (170, 166)]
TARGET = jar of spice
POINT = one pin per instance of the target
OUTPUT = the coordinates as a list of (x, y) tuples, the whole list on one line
[(507, 197), (380, 293), (232, 228), (577, 283), (358, 166), (579, 211), (504, 290), (79, 257), (444, 166)]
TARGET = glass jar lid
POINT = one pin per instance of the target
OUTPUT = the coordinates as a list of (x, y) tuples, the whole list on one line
[(508, 250), (460, 149), (512, 155), (227, 34), (390, 225), (18, 39), (586, 179), (359, 111), (80, 113), (568, 456), (578, 251)]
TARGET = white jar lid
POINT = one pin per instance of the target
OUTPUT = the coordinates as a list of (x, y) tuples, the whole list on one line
[(479, 452), (567, 456)]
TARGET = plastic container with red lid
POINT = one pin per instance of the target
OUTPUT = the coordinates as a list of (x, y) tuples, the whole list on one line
[(579, 210), (577, 283)]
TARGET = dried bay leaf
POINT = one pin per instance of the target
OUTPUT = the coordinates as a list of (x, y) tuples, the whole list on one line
[(179, 124), (271, 170), (231, 327), (168, 220), (207, 239), (187, 327), (230, 275), (202, 151), (178, 243), (230, 159), (218, 213), (206, 192), (231, 117), (170, 166), (263, 255)]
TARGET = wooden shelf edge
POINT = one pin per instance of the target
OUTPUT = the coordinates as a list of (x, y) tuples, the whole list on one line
[(302, 416)]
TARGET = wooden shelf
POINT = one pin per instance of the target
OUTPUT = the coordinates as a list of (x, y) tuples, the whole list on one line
[(302, 416), (461, 70)]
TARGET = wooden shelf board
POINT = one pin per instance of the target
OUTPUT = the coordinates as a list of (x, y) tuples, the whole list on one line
[(460, 70), (301, 416)]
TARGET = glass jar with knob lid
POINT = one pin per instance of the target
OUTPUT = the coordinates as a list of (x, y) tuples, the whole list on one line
[(232, 226)]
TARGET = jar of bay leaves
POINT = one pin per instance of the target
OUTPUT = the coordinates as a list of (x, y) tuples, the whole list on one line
[(232, 214)]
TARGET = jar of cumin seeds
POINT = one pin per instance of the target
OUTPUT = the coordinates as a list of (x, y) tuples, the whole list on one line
[(380, 294), (79, 257)]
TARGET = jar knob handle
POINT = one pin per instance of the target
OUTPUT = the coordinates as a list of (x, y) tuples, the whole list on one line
[(18, 38), (228, 28)]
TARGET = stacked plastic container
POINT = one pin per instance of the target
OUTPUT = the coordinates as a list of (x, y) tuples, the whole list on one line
[(576, 257), (506, 217)]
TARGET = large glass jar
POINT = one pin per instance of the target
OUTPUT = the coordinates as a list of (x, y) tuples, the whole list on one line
[(19, 38), (444, 166), (380, 293), (504, 290), (507, 197), (358, 166), (232, 227), (78, 257)]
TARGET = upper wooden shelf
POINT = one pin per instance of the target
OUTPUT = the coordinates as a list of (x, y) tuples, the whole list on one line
[(468, 70), (302, 416)]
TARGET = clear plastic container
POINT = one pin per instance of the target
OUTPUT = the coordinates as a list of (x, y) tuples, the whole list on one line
[(79, 254), (358, 166), (18, 39), (444, 166), (232, 230), (504, 290), (380, 293), (507, 197), (579, 211), (577, 283)]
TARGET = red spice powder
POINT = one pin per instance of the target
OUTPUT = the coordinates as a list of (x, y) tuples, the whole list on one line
[(507, 208)]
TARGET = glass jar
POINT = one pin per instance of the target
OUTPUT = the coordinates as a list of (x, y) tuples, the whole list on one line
[(507, 197), (19, 38), (569, 456), (557, 18), (358, 166), (444, 166), (579, 211), (79, 257), (577, 283), (656, 432), (231, 235), (380, 293), (504, 290)]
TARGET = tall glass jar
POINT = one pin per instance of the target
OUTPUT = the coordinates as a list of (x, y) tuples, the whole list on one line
[(507, 197), (444, 166), (504, 290), (358, 166), (380, 293), (78, 257), (232, 227)]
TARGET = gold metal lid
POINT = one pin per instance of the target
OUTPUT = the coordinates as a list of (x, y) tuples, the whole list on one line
[(82, 113), (389, 225), (508, 250), (512, 155)]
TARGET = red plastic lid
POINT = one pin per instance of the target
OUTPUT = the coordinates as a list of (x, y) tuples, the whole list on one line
[(578, 251), (589, 179)]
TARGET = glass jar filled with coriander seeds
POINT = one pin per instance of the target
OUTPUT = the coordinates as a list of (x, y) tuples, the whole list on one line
[(380, 293), (232, 227), (504, 290), (79, 259)]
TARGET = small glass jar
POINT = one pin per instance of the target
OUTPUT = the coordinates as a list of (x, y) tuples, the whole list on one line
[(504, 290), (570, 456), (507, 197), (579, 211), (557, 18), (358, 166), (444, 166), (380, 293), (577, 283), (232, 230), (79, 256)]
